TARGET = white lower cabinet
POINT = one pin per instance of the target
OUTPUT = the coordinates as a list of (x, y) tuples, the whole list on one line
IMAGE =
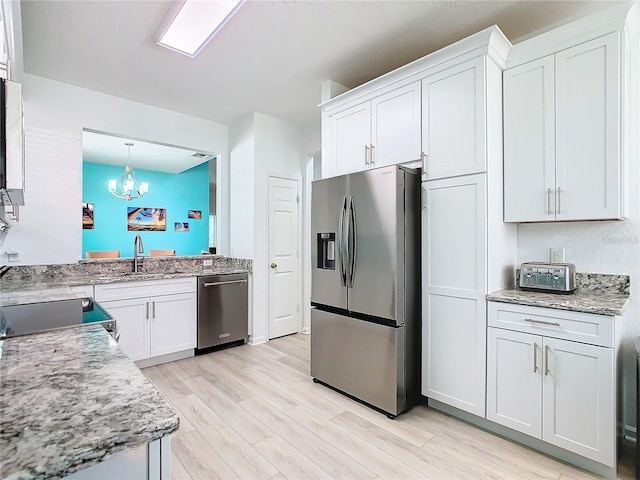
[(152, 325), (557, 390), (151, 461), (173, 323), (453, 288), (132, 319)]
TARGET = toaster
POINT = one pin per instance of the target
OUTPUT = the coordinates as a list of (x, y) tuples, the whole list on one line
[(548, 277)]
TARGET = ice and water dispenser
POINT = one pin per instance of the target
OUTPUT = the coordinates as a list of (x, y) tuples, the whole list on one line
[(326, 251)]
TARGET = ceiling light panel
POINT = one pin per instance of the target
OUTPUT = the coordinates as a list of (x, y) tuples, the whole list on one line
[(195, 23)]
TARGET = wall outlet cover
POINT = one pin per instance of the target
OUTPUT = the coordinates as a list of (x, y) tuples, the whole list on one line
[(556, 255), (207, 263)]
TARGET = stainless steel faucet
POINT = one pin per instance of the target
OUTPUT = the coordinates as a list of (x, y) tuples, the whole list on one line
[(137, 248)]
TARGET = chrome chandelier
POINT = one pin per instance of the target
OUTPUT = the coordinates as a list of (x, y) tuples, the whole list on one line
[(127, 189)]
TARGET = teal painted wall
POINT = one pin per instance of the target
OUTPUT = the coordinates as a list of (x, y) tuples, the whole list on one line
[(188, 190)]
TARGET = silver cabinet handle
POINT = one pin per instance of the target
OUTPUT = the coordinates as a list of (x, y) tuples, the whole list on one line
[(153, 315), (535, 357), (546, 360), (549, 211), (559, 200), (147, 310), (423, 157), (541, 322), (371, 155), (366, 154), (424, 198), (213, 284)]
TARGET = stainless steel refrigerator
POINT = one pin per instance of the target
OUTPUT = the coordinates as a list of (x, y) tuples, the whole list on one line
[(365, 293)]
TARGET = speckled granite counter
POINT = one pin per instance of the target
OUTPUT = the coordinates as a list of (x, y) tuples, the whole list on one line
[(69, 399), (596, 293), (587, 302), (20, 290)]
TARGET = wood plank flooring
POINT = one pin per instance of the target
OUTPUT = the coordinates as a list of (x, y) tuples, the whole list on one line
[(254, 412)]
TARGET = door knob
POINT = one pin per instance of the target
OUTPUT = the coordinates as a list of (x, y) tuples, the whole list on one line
[(273, 265)]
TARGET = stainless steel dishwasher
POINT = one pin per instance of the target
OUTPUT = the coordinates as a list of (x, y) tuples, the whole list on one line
[(223, 312)]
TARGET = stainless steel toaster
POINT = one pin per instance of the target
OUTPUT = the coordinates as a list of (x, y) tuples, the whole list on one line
[(548, 277)]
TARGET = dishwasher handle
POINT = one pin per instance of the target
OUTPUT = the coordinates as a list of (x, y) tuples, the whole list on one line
[(213, 284)]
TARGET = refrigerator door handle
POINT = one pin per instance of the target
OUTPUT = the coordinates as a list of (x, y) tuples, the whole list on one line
[(342, 265), (352, 234)]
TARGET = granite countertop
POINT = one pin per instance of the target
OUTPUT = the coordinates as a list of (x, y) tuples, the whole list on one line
[(69, 399), (19, 292), (598, 302)]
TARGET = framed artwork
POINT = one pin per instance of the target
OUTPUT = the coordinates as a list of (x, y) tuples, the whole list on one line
[(181, 226), (194, 214), (146, 219), (87, 216)]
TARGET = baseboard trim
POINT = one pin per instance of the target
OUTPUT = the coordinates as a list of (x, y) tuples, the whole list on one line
[(169, 357), (256, 340)]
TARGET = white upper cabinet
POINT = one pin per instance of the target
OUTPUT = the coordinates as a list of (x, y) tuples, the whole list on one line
[(395, 127), (588, 156), (433, 111), (454, 121), (383, 131), (562, 135), (529, 142), (351, 134)]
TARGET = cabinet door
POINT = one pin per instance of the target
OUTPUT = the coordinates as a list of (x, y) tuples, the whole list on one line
[(173, 323), (454, 287), (579, 399), (588, 130), (351, 135), (514, 380), (132, 319), (529, 142), (454, 121), (395, 126)]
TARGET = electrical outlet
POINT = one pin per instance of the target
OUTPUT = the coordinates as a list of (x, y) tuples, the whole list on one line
[(556, 255), (207, 263), (12, 255)]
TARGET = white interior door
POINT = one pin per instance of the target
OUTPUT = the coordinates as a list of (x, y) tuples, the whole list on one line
[(284, 231)]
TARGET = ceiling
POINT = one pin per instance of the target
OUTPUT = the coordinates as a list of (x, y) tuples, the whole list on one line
[(112, 150), (271, 57)]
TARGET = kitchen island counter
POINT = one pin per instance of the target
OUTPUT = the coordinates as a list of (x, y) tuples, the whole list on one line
[(70, 399)]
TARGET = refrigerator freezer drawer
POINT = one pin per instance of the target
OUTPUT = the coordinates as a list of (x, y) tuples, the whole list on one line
[(363, 359)]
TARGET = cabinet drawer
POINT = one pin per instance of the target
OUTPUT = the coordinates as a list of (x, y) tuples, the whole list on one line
[(119, 291), (549, 322), (83, 291)]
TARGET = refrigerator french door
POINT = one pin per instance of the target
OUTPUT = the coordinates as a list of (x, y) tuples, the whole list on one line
[(365, 324)]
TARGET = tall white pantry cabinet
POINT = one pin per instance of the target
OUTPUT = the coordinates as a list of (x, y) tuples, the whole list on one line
[(467, 250)]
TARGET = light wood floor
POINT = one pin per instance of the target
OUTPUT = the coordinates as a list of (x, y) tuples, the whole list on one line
[(254, 412)]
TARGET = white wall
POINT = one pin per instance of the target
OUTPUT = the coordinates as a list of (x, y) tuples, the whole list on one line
[(241, 187), (311, 168), (605, 247), (278, 153), (261, 146), (55, 113)]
